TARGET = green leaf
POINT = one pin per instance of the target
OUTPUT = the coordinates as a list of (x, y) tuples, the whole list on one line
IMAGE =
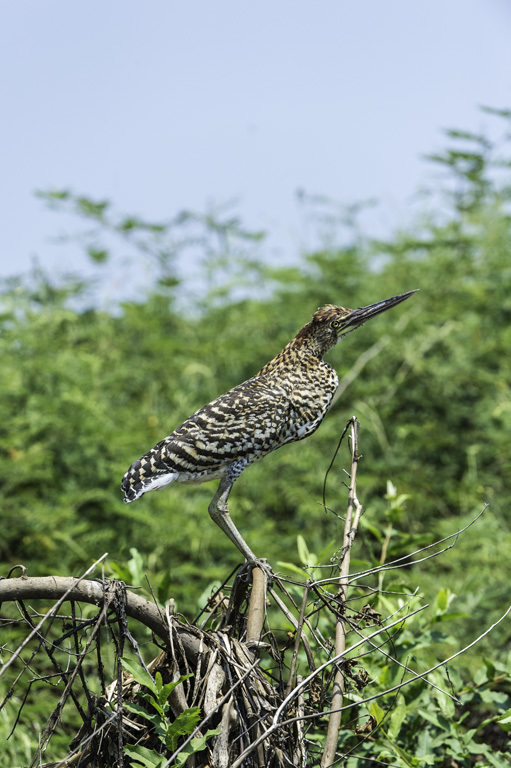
[(99, 255), (164, 691), (197, 744), (375, 530), (451, 615), (376, 711), (91, 208), (442, 599), (153, 702), (505, 721), (158, 681), (445, 703), (303, 550), (139, 710), (183, 725), (425, 746), (129, 223), (396, 719), (436, 719), (146, 757), (293, 568), (136, 567), (490, 668), (139, 674), (495, 759), (168, 282)]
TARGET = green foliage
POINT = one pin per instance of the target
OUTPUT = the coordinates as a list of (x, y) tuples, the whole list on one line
[(433, 720), (424, 713), (17, 750), (423, 725), (168, 729)]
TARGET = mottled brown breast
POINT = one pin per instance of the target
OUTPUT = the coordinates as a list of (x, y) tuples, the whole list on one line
[(309, 384)]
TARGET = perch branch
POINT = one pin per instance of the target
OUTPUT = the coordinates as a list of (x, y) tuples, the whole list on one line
[(350, 528), (256, 607)]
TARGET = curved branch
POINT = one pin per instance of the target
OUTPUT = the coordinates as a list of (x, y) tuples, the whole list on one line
[(94, 592)]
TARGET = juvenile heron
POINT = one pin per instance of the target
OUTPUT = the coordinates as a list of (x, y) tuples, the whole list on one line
[(286, 401)]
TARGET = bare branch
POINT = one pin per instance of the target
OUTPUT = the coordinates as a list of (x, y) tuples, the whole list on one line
[(256, 611), (62, 588), (350, 528), (61, 599)]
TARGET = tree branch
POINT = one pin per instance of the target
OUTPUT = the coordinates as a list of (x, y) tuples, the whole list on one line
[(350, 528)]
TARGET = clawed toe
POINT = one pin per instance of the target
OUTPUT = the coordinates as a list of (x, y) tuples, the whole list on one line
[(263, 565)]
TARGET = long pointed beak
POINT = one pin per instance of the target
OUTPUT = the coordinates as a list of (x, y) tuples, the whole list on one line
[(362, 314)]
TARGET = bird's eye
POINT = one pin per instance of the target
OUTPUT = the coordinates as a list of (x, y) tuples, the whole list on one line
[(335, 323)]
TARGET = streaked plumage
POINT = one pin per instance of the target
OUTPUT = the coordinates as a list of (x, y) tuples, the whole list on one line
[(285, 401)]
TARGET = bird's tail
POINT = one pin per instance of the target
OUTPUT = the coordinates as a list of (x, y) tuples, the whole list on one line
[(146, 474)]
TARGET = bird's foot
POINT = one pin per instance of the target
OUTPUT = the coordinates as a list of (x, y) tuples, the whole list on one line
[(261, 563)]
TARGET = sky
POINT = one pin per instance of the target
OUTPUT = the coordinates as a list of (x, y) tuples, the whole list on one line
[(162, 106)]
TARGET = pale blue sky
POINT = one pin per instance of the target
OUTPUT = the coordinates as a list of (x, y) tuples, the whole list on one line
[(162, 105)]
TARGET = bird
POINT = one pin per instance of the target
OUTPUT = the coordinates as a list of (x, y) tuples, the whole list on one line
[(284, 402)]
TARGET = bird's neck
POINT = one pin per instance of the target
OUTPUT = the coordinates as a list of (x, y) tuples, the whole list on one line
[(311, 341), (304, 349)]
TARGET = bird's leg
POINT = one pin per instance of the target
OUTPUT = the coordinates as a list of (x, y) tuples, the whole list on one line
[(219, 513)]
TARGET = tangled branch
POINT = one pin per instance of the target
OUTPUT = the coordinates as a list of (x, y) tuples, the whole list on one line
[(264, 682)]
